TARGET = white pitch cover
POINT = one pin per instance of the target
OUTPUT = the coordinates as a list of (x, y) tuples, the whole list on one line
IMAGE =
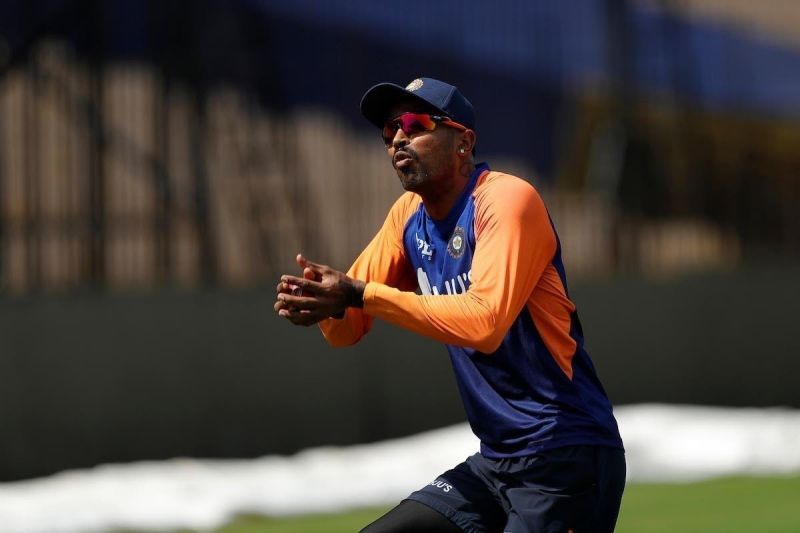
[(664, 443)]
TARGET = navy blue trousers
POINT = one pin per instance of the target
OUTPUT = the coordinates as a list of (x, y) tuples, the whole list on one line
[(575, 489)]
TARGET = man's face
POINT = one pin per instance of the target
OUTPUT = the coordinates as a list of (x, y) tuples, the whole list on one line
[(423, 159)]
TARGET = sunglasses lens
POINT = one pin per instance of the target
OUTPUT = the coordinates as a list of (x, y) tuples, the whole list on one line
[(389, 131), (410, 123), (413, 123)]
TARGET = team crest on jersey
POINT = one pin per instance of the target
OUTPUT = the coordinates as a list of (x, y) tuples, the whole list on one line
[(457, 243), (414, 85)]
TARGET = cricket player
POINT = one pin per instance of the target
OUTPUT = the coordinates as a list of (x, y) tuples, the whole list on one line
[(469, 256)]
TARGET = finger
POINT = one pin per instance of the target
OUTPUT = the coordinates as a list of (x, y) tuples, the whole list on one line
[(281, 304), (301, 318), (305, 263), (284, 287), (292, 313), (303, 283), (309, 274), (300, 302)]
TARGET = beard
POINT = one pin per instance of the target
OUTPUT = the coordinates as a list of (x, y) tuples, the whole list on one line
[(414, 174), (413, 178)]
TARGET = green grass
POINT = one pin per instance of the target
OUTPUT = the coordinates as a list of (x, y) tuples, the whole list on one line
[(763, 505)]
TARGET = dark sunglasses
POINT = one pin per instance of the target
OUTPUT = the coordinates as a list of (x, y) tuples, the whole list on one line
[(413, 123)]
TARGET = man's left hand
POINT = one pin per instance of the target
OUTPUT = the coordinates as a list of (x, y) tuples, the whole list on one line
[(321, 293)]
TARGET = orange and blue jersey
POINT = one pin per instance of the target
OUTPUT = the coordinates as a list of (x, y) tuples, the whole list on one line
[(488, 281)]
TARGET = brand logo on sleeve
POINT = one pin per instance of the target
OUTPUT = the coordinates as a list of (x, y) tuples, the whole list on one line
[(457, 243)]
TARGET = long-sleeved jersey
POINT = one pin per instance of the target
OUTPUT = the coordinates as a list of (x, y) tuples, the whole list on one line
[(492, 287)]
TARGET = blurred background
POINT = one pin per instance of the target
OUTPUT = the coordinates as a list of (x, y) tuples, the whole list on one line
[(162, 162)]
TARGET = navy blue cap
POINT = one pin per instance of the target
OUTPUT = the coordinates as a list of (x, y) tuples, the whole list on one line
[(378, 100)]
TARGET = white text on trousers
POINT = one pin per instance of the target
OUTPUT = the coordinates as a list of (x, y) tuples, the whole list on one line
[(442, 485)]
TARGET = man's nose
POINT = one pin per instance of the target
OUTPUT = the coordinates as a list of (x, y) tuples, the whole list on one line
[(400, 139)]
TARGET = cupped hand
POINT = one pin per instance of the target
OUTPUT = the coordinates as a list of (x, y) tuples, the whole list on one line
[(321, 293)]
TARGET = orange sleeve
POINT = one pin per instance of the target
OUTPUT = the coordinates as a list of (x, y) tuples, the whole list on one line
[(382, 261), (514, 244)]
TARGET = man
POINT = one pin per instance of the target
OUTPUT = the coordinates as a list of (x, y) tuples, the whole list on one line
[(480, 247)]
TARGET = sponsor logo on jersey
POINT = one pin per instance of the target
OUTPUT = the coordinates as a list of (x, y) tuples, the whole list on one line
[(457, 285), (464, 279), (457, 243), (425, 248)]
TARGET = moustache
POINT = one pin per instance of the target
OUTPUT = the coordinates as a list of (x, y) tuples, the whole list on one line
[(404, 153)]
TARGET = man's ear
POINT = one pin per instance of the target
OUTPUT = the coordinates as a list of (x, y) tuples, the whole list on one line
[(466, 142)]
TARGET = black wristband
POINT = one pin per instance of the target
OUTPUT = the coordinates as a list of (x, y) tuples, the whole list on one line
[(353, 296)]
